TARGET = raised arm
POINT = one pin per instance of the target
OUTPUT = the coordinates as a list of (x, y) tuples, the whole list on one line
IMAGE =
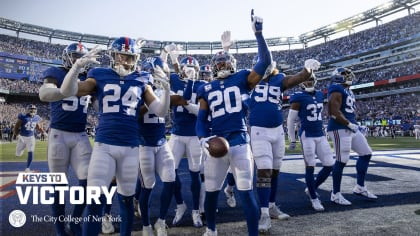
[(264, 54), (304, 75), (70, 86)]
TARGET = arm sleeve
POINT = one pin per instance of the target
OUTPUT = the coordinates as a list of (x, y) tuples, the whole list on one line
[(192, 108), (291, 118), (49, 92), (69, 86), (264, 55), (202, 127), (160, 107)]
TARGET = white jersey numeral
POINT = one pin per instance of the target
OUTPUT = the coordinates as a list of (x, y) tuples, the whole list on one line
[(72, 103), (267, 93), (152, 119), (349, 104), (30, 126), (225, 96), (315, 110), (129, 100)]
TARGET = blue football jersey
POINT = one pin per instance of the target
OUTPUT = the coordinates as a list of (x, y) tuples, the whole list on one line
[(68, 114), (28, 125), (265, 103), (226, 99), (152, 131), (310, 113), (348, 106), (183, 122), (190, 92), (119, 100)]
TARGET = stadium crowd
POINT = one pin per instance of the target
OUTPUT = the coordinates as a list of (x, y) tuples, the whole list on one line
[(383, 115), (405, 106)]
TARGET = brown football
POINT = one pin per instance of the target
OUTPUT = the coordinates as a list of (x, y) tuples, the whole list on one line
[(218, 146)]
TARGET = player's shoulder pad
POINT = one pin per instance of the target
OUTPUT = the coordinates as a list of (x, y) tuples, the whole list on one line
[(335, 88), (295, 96), (54, 72), (93, 73)]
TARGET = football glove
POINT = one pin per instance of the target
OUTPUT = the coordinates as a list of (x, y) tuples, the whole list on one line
[(311, 65), (204, 144), (226, 41), (353, 127), (89, 58), (257, 23)]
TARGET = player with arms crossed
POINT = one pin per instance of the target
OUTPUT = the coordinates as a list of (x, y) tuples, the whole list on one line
[(24, 132), (68, 143), (267, 135), (120, 90), (345, 135), (155, 154), (308, 106), (221, 99), (183, 140)]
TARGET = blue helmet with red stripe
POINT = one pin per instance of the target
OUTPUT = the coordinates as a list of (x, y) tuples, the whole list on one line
[(205, 73), (222, 65), (342, 75), (73, 52), (124, 55)]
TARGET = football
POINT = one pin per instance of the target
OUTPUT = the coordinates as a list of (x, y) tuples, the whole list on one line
[(218, 146)]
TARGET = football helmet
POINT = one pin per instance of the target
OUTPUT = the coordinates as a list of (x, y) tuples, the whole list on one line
[(309, 85), (188, 63), (222, 65), (73, 52), (31, 109), (205, 73), (342, 75), (124, 55), (150, 64)]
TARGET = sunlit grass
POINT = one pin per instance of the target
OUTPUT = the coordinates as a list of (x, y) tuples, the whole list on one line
[(7, 150)]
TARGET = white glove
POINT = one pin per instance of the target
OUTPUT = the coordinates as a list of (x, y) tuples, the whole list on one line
[(257, 22), (174, 51), (159, 73), (163, 81), (140, 42), (226, 41), (292, 146), (204, 144), (89, 58), (311, 65), (353, 127), (189, 72)]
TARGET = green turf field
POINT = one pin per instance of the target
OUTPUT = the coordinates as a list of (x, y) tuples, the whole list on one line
[(7, 150)]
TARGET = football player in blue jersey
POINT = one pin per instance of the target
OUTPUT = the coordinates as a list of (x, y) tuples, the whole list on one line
[(307, 105), (120, 91), (222, 101), (68, 143), (344, 132), (155, 154), (183, 140), (267, 135), (190, 94), (24, 132)]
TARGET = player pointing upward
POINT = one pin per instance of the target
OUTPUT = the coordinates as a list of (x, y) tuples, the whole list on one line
[(222, 100)]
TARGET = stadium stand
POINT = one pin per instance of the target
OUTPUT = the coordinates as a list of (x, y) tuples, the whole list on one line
[(385, 60)]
